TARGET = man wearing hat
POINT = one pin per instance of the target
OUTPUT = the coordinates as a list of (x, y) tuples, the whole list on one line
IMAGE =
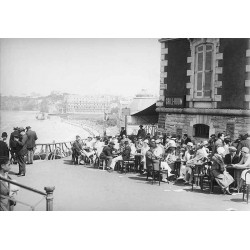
[(13, 144), (123, 132), (106, 153), (21, 150), (233, 158), (31, 144), (141, 132), (125, 154)]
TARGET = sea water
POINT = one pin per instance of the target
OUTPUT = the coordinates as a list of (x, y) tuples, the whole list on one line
[(48, 130)]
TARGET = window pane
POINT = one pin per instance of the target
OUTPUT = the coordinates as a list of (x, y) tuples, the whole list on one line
[(200, 61), (200, 48), (199, 94), (207, 86), (208, 60), (199, 81), (209, 47)]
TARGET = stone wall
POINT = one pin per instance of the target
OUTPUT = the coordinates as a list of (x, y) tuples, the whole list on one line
[(183, 123)]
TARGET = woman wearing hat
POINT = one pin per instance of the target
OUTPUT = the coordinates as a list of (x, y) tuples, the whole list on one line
[(218, 171)]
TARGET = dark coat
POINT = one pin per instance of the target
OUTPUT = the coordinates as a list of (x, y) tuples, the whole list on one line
[(123, 132), (244, 143), (13, 144), (141, 133), (22, 146), (106, 152), (4, 151), (32, 137), (77, 147), (126, 153), (228, 159)]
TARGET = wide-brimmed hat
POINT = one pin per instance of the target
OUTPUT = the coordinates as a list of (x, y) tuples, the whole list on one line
[(28, 127), (190, 144), (146, 141)]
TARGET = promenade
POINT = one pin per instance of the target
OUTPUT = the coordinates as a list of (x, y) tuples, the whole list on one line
[(84, 188)]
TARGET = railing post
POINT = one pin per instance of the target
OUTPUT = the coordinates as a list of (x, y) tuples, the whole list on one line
[(49, 198), (47, 151)]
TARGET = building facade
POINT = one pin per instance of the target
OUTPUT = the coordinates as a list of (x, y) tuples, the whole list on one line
[(87, 104), (204, 87)]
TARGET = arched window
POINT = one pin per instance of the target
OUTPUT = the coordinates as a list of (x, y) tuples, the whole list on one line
[(201, 130), (203, 70)]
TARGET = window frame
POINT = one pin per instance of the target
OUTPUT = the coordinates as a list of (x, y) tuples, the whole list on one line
[(194, 42), (204, 70)]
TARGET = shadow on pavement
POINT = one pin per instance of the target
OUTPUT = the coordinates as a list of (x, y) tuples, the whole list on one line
[(68, 162), (204, 191), (138, 178), (238, 200), (12, 173)]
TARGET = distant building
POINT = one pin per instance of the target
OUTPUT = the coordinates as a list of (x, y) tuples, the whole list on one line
[(87, 104), (204, 87)]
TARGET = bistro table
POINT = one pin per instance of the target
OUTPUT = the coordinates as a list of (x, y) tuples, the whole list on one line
[(236, 174)]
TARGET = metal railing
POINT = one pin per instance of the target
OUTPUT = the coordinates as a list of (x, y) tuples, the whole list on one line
[(48, 194)]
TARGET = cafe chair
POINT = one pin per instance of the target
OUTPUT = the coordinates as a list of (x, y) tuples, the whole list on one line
[(246, 185), (177, 167), (198, 172), (127, 165)]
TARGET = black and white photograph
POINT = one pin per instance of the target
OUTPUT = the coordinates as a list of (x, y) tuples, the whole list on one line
[(125, 121), (122, 126)]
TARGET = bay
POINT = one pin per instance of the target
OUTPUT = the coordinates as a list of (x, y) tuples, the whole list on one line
[(48, 130)]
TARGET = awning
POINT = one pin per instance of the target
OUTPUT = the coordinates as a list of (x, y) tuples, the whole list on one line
[(148, 115)]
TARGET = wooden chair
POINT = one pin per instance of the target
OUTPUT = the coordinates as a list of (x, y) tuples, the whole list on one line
[(126, 165), (198, 172), (155, 171), (246, 185)]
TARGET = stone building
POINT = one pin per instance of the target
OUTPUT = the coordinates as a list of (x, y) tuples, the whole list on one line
[(204, 87)]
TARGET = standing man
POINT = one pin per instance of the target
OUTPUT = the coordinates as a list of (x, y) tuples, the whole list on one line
[(141, 132), (31, 143), (123, 132), (13, 145), (219, 143), (21, 151), (244, 143)]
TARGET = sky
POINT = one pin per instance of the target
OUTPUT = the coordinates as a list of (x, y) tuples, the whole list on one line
[(79, 66)]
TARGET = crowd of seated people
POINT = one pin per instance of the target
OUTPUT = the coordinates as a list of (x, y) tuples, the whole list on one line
[(162, 151)]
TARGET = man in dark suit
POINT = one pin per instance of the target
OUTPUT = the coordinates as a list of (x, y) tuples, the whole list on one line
[(244, 143), (123, 132), (233, 158), (21, 151), (31, 143)]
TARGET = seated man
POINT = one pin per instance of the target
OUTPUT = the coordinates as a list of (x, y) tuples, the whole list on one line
[(233, 158), (125, 154), (106, 153), (76, 150)]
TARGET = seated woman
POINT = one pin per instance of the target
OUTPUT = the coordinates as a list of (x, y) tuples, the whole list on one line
[(6, 189), (243, 164), (218, 171), (189, 154)]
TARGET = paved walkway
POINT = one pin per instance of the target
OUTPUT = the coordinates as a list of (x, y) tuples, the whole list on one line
[(84, 188)]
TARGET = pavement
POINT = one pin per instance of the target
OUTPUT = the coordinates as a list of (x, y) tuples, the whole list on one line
[(84, 188)]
